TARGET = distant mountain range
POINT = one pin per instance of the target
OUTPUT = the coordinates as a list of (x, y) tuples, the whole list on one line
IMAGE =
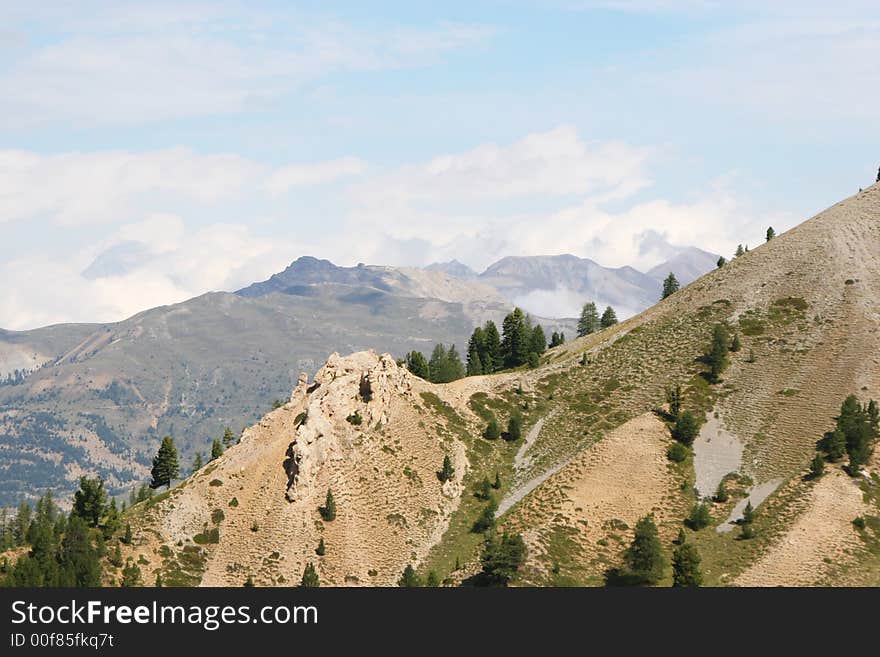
[(97, 398)]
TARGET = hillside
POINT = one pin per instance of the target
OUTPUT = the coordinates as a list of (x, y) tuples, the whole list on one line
[(593, 458), (97, 399)]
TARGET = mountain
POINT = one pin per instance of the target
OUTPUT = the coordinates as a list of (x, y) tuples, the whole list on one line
[(594, 457), (97, 398), (453, 268), (687, 265), (559, 285)]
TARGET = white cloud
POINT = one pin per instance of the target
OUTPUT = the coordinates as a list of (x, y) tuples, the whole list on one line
[(150, 64), (299, 175), (85, 188)]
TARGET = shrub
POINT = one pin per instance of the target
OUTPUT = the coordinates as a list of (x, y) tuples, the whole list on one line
[(233, 502), (215, 483), (217, 516), (355, 418), (699, 517), (328, 511), (721, 495), (486, 521), (677, 452), (208, 536), (514, 428), (858, 522), (492, 431), (686, 428), (321, 549)]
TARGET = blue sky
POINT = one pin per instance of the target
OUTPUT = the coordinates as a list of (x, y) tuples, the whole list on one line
[(197, 146)]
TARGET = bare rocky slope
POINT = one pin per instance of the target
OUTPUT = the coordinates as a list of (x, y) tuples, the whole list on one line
[(806, 306)]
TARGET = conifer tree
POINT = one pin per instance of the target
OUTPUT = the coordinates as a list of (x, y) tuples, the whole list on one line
[(673, 398), (328, 511), (474, 365), (126, 538), (492, 358), (497, 484), (416, 363), (717, 355), (486, 520), (321, 549), (670, 285), (228, 438), (514, 428), (447, 472), (644, 557), (721, 262), (735, 344), (159, 584), (216, 449), (748, 516), (492, 431), (770, 233), (515, 339), (502, 558), (686, 428), (836, 445), (249, 582), (699, 517), (79, 565), (432, 580), (131, 575), (686, 566), (197, 463), (90, 501), (817, 466), (409, 578), (538, 341), (165, 466), (589, 320), (310, 577), (609, 318)]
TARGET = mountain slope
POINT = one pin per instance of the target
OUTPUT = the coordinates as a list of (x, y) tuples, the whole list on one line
[(807, 309)]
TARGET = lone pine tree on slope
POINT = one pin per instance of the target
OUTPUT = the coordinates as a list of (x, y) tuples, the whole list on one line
[(165, 466)]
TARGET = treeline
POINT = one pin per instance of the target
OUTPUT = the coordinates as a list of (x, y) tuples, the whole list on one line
[(518, 343)]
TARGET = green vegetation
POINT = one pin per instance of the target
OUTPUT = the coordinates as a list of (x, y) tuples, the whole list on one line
[(355, 418), (501, 559), (686, 566), (716, 357), (492, 431), (409, 578), (328, 511), (514, 428), (589, 320), (310, 577), (165, 465), (644, 562), (447, 471), (686, 428), (609, 318), (670, 286), (700, 516)]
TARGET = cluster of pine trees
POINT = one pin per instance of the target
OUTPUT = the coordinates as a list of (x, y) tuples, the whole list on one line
[(590, 321), (489, 351), (854, 434), (645, 563)]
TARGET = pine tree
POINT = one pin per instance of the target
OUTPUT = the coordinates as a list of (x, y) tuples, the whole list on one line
[(127, 536), (454, 365), (78, 560), (686, 428), (131, 575), (328, 511), (416, 363), (682, 537), (515, 340), (673, 398), (699, 517), (321, 549), (216, 449), (492, 358), (228, 438), (497, 484), (609, 318), (836, 445), (90, 501), (739, 251), (116, 558), (717, 354), (501, 559), (486, 519), (644, 557), (748, 516), (770, 233), (111, 520), (484, 489), (721, 262), (437, 364), (432, 581), (159, 584), (721, 495), (589, 320), (735, 344), (310, 578), (197, 463), (817, 466), (686, 566), (492, 431), (514, 428), (409, 578), (165, 466), (670, 285), (474, 366), (447, 472), (538, 342)]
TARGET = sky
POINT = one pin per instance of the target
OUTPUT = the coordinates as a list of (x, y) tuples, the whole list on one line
[(151, 152)]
